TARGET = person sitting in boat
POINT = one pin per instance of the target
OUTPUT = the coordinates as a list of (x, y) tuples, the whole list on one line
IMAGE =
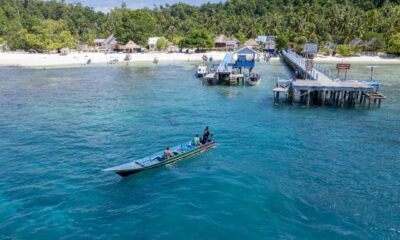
[(206, 135), (167, 153), (196, 140)]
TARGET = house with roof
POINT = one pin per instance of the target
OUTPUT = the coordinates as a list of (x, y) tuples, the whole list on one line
[(356, 42), (152, 42), (109, 43), (130, 47), (222, 42), (251, 43), (268, 42), (373, 45), (244, 58), (261, 39)]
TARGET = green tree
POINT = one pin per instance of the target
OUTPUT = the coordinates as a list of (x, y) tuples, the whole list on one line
[(65, 40), (344, 50), (176, 39), (136, 25), (241, 37), (47, 36), (370, 35), (282, 42), (394, 44), (197, 39), (162, 43)]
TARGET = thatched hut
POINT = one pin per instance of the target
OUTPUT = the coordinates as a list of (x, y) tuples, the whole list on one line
[(356, 42), (374, 45), (130, 47), (251, 43), (220, 41)]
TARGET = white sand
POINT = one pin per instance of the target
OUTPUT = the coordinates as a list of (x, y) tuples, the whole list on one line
[(41, 60), (18, 59), (362, 59)]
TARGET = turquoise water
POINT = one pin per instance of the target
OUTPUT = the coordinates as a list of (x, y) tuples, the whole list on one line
[(279, 171)]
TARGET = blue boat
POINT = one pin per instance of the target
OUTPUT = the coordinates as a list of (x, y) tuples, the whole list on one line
[(181, 151)]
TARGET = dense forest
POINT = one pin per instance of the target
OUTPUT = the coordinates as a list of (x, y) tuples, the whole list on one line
[(36, 24)]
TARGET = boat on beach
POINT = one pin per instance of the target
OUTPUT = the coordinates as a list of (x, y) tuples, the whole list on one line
[(180, 152)]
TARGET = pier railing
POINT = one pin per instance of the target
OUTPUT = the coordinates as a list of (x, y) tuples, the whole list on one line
[(300, 63)]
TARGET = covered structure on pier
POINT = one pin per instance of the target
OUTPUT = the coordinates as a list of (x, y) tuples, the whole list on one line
[(231, 69)]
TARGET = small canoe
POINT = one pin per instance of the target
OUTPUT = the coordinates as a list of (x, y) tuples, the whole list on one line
[(180, 152)]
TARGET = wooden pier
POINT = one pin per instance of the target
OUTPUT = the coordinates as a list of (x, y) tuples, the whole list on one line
[(318, 88)]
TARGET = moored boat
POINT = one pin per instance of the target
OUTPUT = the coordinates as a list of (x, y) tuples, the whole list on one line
[(201, 71), (180, 152), (254, 79)]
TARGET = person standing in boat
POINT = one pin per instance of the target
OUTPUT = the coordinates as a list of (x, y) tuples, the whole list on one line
[(206, 135), (167, 153), (196, 140)]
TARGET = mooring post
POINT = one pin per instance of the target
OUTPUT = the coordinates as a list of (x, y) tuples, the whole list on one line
[(369, 102), (308, 97), (337, 99), (323, 97), (342, 97)]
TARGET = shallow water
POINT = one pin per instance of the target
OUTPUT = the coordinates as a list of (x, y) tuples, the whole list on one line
[(279, 171)]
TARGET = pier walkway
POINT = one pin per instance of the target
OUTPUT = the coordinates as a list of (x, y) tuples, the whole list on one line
[(298, 64), (318, 87)]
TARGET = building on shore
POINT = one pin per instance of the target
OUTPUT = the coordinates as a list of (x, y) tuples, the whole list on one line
[(130, 47), (268, 43), (251, 43), (357, 42), (222, 42), (107, 44), (152, 42), (373, 46)]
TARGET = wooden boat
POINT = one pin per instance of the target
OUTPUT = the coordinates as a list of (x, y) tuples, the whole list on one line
[(180, 152), (254, 79)]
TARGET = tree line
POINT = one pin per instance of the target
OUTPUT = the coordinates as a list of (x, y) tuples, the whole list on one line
[(47, 25)]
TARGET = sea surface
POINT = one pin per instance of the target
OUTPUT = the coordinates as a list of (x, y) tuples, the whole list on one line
[(279, 171)]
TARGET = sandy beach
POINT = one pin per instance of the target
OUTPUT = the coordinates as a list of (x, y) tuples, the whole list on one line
[(18, 59), (14, 59), (361, 59)]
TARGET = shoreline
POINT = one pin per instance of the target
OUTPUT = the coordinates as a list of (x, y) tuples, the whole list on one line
[(17, 59), (361, 59), (36, 60)]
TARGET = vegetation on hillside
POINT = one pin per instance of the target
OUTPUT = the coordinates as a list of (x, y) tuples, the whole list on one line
[(338, 21)]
